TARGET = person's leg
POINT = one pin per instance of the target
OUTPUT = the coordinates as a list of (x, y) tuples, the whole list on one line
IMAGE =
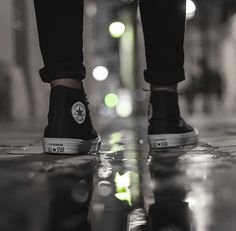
[(60, 29), (163, 29)]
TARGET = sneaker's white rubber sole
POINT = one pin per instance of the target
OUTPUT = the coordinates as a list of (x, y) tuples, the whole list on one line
[(70, 146), (173, 140)]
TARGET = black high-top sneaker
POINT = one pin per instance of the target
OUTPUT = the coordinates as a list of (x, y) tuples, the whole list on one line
[(69, 129), (166, 127)]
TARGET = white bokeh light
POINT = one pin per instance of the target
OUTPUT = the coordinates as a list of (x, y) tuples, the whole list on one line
[(190, 9), (100, 73), (117, 29), (124, 107)]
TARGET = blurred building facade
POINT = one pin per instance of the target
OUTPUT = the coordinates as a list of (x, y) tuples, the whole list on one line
[(19, 55), (210, 58)]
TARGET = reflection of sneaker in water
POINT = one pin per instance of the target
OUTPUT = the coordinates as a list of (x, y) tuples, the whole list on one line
[(69, 129), (166, 127)]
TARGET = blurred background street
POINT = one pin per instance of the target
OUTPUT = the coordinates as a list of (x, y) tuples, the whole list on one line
[(114, 58), (126, 186)]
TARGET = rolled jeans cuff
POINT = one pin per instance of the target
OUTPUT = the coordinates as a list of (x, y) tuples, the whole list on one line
[(62, 71), (164, 78)]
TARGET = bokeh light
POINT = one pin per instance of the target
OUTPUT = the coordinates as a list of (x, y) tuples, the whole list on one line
[(117, 29), (125, 106), (100, 73), (91, 9), (190, 9), (111, 100)]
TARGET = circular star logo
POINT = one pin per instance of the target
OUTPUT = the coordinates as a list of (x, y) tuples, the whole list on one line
[(78, 112)]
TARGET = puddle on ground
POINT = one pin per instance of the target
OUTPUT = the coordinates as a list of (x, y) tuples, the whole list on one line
[(124, 187)]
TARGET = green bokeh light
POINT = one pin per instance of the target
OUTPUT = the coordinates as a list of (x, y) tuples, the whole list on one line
[(123, 192), (115, 138), (111, 100)]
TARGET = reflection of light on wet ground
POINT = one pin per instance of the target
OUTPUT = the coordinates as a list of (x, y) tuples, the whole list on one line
[(115, 137), (104, 188), (104, 171), (80, 191), (200, 197), (137, 219), (200, 202), (126, 188), (118, 189), (186, 172), (114, 149), (122, 181), (126, 182)]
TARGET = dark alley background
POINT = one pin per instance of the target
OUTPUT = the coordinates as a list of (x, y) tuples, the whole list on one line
[(115, 62)]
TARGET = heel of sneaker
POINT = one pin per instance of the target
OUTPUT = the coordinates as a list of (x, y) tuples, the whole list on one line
[(70, 146)]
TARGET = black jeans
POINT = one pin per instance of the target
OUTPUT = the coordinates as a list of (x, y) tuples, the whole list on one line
[(60, 28)]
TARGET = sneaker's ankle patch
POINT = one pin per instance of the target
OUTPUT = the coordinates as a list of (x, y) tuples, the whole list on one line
[(78, 111)]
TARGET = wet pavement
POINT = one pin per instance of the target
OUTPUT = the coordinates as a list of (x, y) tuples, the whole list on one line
[(124, 187)]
